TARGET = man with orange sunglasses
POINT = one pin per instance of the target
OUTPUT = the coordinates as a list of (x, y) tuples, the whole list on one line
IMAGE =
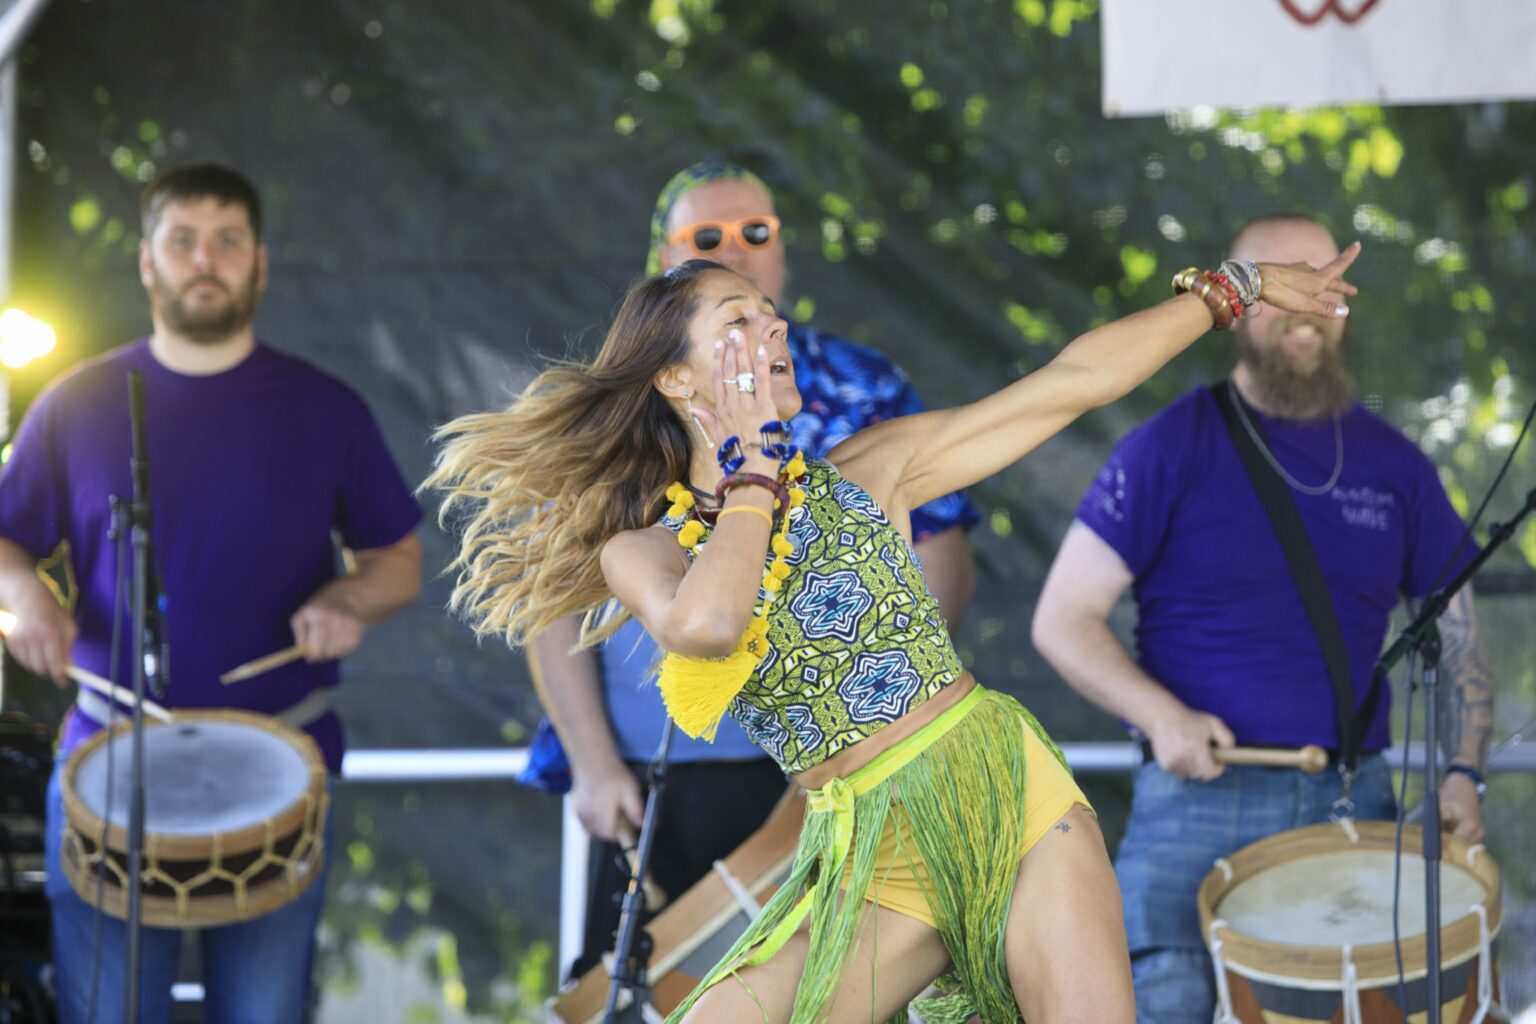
[(604, 705)]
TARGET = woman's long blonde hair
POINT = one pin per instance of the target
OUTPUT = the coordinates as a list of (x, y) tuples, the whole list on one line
[(584, 453)]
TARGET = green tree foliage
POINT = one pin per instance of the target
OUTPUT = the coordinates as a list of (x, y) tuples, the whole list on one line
[(471, 182)]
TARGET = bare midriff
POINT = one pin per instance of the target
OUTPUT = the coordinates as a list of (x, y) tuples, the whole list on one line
[(846, 762)]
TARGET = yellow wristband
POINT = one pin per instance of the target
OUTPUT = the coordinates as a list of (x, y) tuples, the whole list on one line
[(767, 518)]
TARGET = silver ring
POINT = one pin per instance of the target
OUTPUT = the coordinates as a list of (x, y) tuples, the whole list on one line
[(745, 382)]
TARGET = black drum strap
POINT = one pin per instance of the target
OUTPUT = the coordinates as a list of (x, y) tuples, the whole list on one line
[(1276, 498)]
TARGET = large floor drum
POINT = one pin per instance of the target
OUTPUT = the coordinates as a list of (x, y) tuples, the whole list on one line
[(1300, 928), (234, 820)]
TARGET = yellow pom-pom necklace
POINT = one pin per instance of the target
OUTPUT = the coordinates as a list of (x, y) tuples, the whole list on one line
[(695, 532), (698, 691)]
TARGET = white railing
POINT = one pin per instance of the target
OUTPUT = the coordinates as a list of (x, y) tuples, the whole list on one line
[(438, 766), (432, 766), (397, 766)]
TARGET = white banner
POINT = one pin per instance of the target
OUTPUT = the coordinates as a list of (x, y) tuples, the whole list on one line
[(1168, 54)]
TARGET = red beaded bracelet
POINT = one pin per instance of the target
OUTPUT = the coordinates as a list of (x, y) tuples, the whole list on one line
[(1233, 298)]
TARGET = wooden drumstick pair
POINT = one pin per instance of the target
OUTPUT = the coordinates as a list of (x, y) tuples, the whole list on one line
[(92, 681)]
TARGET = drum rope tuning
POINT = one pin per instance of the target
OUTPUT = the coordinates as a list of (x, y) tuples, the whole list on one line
[(218, 848), (1224, 1014), (1351, 982), (1296, 928)]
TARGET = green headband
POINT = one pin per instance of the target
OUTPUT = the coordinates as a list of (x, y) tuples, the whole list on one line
[(684, 181)]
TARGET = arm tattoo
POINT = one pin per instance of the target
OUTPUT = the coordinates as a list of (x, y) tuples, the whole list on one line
[(1466, 690), (1062, 827)]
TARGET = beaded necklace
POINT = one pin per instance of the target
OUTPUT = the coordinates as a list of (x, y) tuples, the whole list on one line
[(695, 533)]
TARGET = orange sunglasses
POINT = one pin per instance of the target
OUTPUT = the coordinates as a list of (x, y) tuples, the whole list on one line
[(708, 235)]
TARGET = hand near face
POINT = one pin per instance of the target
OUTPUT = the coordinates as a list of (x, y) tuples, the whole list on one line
[(736, 412)]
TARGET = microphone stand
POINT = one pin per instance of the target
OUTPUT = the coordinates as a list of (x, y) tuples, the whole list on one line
[(145, 649), (632, 949), (1423, 637)]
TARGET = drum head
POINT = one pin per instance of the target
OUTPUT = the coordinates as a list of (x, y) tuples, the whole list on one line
[(1343, 898), (200, 777), (1286, 907)]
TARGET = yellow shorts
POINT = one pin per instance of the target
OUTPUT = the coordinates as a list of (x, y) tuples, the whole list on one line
[(900, 873)]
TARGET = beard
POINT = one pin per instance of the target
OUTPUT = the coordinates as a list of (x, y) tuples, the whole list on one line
[(1285, 389), (205, 325)]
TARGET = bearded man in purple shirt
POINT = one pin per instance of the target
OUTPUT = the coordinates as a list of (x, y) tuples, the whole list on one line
[(1225, 651), (256, 458)]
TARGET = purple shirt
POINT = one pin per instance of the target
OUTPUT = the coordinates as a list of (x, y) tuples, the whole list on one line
[(250, 470), (1220, 622)]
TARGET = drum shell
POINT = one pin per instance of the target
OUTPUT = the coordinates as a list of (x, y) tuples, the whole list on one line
[(1273, 981), (275, 860)]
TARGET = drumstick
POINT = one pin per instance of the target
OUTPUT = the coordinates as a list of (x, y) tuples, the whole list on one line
[(655, 898), (265, 663), (1310, 759), (92, 681)]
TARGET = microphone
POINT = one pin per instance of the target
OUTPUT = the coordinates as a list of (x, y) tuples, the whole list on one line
[(157, 649)]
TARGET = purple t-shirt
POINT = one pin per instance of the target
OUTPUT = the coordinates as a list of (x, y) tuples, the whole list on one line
[(250, 470), (1220, 622)]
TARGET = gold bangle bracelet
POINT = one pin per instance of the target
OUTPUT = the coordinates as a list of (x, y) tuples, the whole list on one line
[(767, 518)]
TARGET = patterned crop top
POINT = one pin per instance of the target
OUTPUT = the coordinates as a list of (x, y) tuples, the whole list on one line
[(856, 638)]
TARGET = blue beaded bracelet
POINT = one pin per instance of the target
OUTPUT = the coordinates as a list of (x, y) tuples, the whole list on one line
[(776, 449), (730, 463)]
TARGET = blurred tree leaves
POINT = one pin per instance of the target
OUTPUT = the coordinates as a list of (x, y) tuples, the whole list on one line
[(477, 177)]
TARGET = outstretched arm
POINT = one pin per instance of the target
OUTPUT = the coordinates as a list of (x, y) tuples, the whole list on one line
[(913, 460)]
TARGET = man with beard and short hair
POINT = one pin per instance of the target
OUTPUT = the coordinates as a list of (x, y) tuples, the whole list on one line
[(256, 459), (1225, 652)]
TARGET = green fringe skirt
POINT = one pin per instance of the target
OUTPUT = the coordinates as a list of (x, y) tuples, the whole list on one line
[(961, 785)]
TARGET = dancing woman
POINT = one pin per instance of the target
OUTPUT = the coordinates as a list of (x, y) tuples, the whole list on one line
[(784, 591)]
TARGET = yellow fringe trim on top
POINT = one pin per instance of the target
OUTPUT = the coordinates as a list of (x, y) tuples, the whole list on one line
[(698, 691)]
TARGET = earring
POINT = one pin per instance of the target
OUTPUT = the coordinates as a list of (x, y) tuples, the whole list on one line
[(688, 402)]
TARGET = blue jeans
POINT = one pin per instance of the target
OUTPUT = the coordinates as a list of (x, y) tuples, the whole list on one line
[(1177, 829), (255, 972)]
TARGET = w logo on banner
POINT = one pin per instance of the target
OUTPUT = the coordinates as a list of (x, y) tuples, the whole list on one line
[(1315, 53), (1310, 12)]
